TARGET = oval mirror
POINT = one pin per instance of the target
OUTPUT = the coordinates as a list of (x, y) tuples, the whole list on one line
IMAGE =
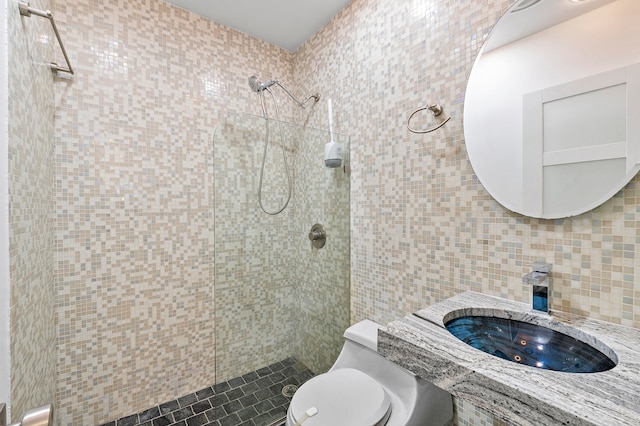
[(552, 107)]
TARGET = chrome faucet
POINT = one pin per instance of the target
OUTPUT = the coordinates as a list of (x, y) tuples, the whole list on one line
[(540, 280)]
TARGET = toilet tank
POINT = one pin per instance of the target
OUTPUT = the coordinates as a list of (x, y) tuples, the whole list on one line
[(365, 332), (360, 349), (413, 398)]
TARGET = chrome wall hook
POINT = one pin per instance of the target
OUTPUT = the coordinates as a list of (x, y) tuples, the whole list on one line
[(436, 110)]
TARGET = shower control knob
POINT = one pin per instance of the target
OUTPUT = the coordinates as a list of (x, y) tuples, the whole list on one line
[(318, 236)]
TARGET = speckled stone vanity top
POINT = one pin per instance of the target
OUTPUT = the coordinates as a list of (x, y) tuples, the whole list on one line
[(519, 394)]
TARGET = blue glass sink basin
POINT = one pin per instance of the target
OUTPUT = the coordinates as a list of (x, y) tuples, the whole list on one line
[(532, 344)]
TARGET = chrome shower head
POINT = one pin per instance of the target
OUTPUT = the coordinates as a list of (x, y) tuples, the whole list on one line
[(258, 86), (254, 83)]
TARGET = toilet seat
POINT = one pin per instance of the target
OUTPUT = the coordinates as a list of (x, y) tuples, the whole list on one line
[(343, 397)]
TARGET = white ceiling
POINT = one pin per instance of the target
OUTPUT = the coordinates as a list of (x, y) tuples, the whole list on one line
[(285, 23), (527, 17)]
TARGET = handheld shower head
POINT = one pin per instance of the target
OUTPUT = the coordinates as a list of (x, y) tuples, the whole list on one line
[(267, 84), (254, 83), (258, 86)]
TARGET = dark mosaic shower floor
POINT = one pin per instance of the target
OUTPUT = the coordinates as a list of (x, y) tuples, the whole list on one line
[(254, 399)]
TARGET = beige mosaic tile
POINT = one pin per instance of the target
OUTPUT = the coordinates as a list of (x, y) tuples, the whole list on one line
[(134, 200), (289, 295), (31, 171), (423, 227), (322, 275), (134, 189), (419, 192), (468, 415), (143, 314)]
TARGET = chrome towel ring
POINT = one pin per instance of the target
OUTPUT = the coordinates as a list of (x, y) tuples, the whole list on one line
[(436, 110)]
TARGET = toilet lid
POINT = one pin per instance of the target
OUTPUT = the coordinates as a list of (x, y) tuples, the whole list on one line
[(342, 397)]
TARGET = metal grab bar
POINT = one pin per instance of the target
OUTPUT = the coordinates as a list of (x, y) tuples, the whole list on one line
[(26, 10), (436, 110)]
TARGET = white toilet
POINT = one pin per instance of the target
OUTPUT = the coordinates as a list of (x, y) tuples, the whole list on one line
[(365, 389)]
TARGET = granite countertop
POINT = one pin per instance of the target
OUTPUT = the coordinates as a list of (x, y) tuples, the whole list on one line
[(519, 394)]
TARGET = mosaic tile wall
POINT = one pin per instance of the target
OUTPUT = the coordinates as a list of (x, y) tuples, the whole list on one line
[(32, 345), (466, 414), (322, 275), (134, 238), (423, 227), (141, 214), (132, 143), (275, 294), (254, 304)]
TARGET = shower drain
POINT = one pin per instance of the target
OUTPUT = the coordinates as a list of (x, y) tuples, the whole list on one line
[(289, 390)]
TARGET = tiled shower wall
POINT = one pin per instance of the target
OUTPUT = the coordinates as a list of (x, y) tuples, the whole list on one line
[(254, 299), (134, 239), (322, 290), (32, 346), (275, 294), (423, 227)]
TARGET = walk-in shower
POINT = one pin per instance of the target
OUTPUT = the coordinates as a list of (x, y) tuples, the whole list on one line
[(260, 87), (275, 295)]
